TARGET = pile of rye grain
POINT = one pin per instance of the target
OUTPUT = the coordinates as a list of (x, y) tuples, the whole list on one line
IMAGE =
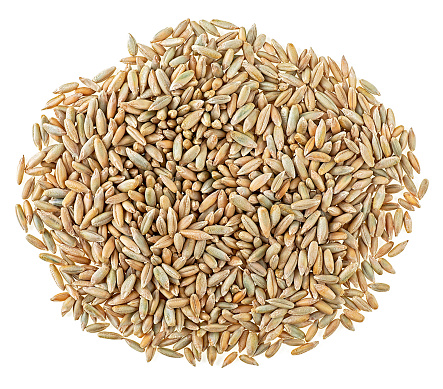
[(219, 193)]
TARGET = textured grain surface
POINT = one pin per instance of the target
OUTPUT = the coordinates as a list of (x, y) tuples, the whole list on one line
[(220, 190)]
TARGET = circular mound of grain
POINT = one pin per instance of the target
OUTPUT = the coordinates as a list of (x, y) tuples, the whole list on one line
[(219, 194)]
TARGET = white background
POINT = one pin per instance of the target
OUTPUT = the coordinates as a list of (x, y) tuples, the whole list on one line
[(397, 45)]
